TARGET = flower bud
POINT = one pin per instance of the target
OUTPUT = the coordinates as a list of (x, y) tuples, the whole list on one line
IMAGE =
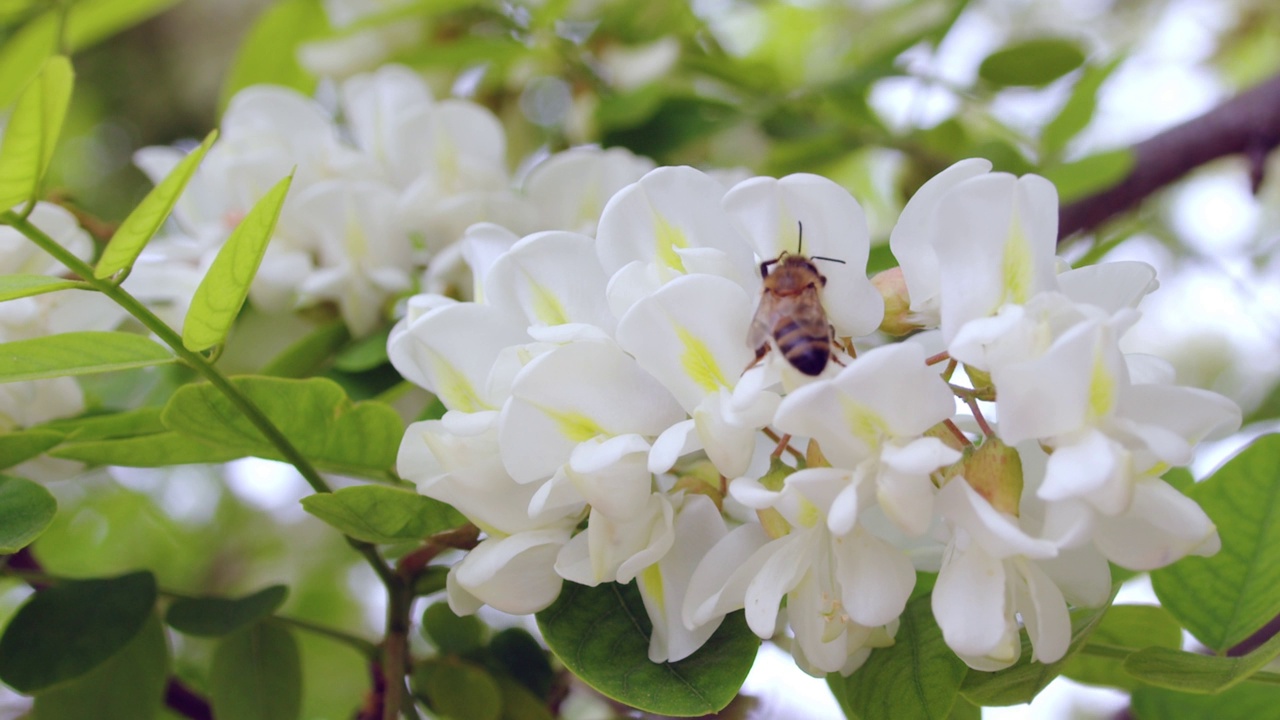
[(994, 470), (898, 318)]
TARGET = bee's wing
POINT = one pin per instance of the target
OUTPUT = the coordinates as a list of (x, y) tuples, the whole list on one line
[(762, 324)]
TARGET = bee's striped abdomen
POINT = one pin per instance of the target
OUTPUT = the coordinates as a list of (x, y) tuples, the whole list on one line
[(806, 347)]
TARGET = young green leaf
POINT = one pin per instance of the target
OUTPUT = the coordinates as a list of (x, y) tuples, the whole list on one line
[(917, 677), (525, 659), (1026, 678), (1124, 626), (269, 53), (65, 631), (457, 690), (315, 414), (26, 509), (1090, 174), (257, 675), (129, 686), (450, 633), (215, 616), (225, 286), (20, 286), (364, 354), (601, 634), (143, 421), (1224, 598), (78, 353), (145, 220), (518, 703), (32, 132), (1192, 672), (1031, 63), (151, 450), (21, 446), (1077, 111), (308, 355), (1246, 702), (379, 514)]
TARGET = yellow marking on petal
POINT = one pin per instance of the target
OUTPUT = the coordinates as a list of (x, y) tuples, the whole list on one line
[(699, 363), (650, 580), (667, 238), (453, 388), (574, 425), (863, 422), (775, 526), (1102, 389), (809, 515), (546, 306), (354, 238), (1016, 265)]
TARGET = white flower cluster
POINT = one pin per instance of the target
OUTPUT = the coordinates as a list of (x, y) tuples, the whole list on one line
[(374, 197), (608, 422)]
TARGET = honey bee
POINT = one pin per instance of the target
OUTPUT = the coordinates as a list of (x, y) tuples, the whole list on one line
[(790, 312)]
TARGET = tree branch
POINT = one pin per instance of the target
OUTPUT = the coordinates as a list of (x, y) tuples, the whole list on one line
[(1247, 124)]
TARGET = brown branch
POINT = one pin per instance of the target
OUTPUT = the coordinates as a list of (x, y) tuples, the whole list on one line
[(1247, 124)]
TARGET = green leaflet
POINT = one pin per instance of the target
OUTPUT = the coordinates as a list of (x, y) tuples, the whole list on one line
[(917, 677), (129, 686), (1124, 626), (257, 675), (32, 132), (601, 634), (1031, 63), (214, 616), (26, 509), (269, 52), (379, 514), (314, 414), (20, 286), (1224, 598), (64, 631), (78, 353), (225, 286), (144, 222)]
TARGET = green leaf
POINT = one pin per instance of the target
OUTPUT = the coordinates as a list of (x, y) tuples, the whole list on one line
[(1192, 672), (143, 421), (19, 447), (1031, 63), (1124, 626), (1077, 111), (20, 286), (269, 52), (32, 132), (78, 353), (87, 22), (364, 354), (601, 634), (26, 509), (1268, 409), (257, 675), (1025, 679), (524, 659), (1225, 598), (307, 356), (357, 438), (917, 677), (380, 514), (518, 703), (215, 616), (1088, 175), (1246, 702), (225, 286), (457, 690), (129, 686), (451, 634), (145, 220), (65, 631), (154, 450)]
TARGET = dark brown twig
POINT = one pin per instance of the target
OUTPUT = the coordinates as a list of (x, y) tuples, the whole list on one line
[(1247, 124)]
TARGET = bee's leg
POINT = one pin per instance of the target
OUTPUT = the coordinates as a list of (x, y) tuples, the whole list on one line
[(760, 353)]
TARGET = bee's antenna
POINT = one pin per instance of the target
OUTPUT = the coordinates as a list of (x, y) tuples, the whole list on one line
[(819, 257), (800, 241)]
